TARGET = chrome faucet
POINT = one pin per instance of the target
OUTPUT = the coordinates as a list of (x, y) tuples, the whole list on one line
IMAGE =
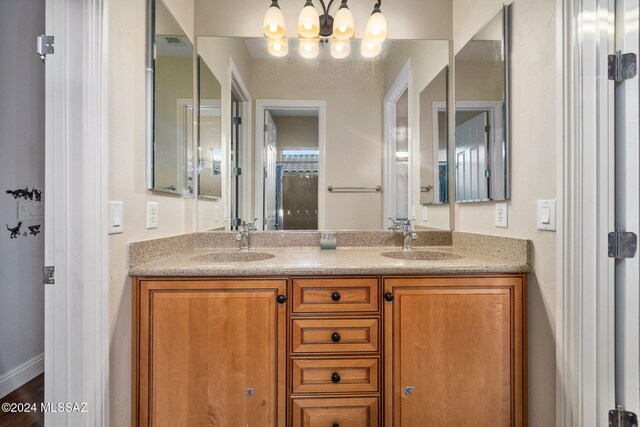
[(406, 229), (243, 234)]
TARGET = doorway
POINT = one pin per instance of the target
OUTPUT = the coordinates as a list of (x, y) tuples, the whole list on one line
[(398, 162), (22, 198), (290, 141)]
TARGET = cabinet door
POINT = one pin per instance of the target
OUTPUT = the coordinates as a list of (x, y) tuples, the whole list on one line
[(454, 352), (212, 353)]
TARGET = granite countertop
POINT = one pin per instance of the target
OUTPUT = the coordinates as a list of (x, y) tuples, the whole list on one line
[(472, 253)]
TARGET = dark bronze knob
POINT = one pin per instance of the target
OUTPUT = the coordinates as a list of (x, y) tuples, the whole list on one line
[(336, 425), (335, 296), (335, 337), (281, 299), (388, 296), (335, 377)]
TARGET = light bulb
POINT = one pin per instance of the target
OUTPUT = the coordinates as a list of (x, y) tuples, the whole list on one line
[(274, 22), (309, 48), (309, 22), (343, 24), (278, 47), (370, 48), (340, 49), (377, 27)]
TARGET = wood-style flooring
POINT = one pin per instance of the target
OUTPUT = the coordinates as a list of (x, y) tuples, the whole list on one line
[(31, 392)]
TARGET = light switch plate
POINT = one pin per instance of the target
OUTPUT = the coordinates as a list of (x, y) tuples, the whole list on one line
[(546, 216), (425, 213), (116, 217), (502, 215), (30, 211), (152, 214)]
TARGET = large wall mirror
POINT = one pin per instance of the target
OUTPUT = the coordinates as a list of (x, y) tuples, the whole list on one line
[(302, 140), (170, 106), (481, 119)]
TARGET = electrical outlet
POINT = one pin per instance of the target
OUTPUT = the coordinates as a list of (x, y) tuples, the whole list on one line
[(502, 215), (424, 214), (152, 215), (413, 213)]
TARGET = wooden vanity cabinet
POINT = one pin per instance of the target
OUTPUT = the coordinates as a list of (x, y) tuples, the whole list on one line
[(455, 351), (210, 352), (314, 352)]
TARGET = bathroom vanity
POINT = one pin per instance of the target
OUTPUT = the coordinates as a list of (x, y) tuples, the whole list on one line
[(350, 337)]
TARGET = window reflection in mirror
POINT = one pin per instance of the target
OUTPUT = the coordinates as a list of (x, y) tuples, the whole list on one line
[(172, 105), (308, 125), (481, 122)]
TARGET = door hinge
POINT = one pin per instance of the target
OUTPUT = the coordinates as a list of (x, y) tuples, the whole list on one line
[(44, 46), (622, 66), (236, 222), (266, 128), (48, 275), (622, 244), (487, 129), (620, 418), (237, 120), (487, 173), (237, 171)]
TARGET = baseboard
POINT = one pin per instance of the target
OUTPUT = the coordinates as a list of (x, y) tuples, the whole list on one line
[(21, 375)]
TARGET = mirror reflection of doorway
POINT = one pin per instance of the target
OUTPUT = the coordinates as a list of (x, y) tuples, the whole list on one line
[(291, 169), (235, 160), (472, 145)]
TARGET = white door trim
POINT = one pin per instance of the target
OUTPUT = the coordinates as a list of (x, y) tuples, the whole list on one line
[(266, 104), (237, 83), (76, 163), (585, 299), (404, 81)]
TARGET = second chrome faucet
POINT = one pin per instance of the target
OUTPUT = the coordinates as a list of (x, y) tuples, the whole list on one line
[(404, 227), (243, 234)]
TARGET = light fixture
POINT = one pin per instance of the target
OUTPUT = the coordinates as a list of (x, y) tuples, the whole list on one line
[(273, 25), (377, 25), (312, 25), (309, 48), (340, 49), (343, 24), (309, 21), (278, 47), (370, 48)]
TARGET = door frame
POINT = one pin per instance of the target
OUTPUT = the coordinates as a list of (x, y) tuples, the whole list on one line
[(76, 242), (585, 322), (263, 105), (402, 83)]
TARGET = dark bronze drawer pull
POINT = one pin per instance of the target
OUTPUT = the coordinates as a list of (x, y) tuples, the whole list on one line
[(335, 296), (335, 377), (335, 337)]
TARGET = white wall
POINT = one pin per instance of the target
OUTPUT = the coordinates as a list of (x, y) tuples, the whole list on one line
[(127, 182), (21, 165), (408, 19), (533, 167)]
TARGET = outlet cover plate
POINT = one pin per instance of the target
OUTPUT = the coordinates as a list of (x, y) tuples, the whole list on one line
[(152, 214), (502, 215)]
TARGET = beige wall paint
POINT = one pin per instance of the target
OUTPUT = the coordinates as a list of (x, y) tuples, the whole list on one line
[(296, 133), (533, 174), (428, 57), (353, 91), (217, 53), (183, 12), (408, 19), (127, 182)]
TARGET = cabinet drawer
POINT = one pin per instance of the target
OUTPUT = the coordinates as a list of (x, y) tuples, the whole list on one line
[(335, 295), (347, 412), (335, 375), (335, 335)]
